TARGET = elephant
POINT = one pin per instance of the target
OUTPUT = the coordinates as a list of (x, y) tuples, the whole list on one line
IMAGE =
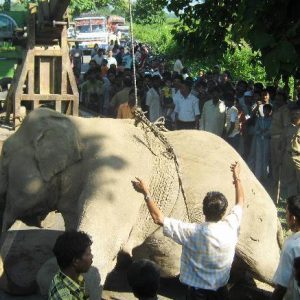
[(83, 167)]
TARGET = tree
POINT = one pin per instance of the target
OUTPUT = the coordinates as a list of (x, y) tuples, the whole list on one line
[(272, 27), (106, 7), (120, 8), (80, 6), (149, 12)]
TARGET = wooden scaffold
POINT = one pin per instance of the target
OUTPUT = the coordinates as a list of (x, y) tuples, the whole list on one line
[(45, 75)]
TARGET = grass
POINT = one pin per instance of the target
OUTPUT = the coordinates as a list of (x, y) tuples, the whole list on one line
[(281, 208), (9, 55), (7, 68)]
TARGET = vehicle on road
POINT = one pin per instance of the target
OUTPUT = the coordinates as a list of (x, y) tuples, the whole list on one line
[(11, 24), (122, 31), (113, 22), (91, 30)]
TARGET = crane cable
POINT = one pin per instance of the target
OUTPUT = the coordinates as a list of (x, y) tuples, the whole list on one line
[(133, 53)]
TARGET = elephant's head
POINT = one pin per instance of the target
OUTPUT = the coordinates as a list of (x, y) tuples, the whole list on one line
[(31, 161)]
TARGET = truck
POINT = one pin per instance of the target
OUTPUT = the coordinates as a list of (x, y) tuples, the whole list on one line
[(12, 24), (91, 30), (113, 22)]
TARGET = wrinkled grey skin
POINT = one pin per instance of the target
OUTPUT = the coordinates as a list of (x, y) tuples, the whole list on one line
[(83, 167)]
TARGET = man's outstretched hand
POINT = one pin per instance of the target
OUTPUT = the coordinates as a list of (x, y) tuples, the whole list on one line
[(140, 186), (235, 169)]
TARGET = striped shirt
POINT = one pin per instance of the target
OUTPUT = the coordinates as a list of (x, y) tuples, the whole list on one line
[(64, 288), (207, 249)]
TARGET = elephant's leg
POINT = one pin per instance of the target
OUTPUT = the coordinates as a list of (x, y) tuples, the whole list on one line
[(163, 251), (71, 220), (8, 220)]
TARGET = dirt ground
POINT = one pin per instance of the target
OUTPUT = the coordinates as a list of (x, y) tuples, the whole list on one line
[(170, 289)]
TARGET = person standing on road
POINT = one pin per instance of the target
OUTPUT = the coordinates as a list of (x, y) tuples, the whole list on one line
[(290, 250), (187, 113), (98, 58), (153, 99), (290, 171), (110, 59), (77, 60), (178, 66), (73, 253), (207, 249), (213, 116)]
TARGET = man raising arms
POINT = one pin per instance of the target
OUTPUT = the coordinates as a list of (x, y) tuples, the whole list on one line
[(208, 248)]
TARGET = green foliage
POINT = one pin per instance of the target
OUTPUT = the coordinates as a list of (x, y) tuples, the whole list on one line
[(148, 12), (158, 36), (239, 59), (105, 7), (272, 27), (9, 55), (103, 11), (120, 8), (80, 6), (243, 63)]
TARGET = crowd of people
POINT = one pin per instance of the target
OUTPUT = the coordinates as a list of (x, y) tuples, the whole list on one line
[(257, 121)]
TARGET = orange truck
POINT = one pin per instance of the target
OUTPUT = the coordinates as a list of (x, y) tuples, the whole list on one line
[(113, 22)]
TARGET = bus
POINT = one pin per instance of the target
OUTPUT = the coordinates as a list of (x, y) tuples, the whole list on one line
[(90, 31)]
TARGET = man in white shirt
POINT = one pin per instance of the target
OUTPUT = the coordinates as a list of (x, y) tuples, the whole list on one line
[(110, 59), (187, 113), (153, 99), (232, 123), (213, 117), (290, 250), (178, 65), (241, 93), (208, 248)]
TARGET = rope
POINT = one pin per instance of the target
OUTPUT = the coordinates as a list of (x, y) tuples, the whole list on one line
[(158, 126), (141, 118), (133, 54)]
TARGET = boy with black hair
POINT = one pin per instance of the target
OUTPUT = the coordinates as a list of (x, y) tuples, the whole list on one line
[(143, 277), (208, 248), (187, 113), (73, 254), (290, 250)]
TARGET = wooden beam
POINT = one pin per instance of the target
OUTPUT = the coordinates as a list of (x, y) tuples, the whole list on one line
[(65, 56), (45, 79), (58, 106), (47, 97), (40, 52)]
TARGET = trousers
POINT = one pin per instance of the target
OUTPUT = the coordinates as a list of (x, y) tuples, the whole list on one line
[(202, 294)]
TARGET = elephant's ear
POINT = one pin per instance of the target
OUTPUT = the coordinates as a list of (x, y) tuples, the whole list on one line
[(56, 148)]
